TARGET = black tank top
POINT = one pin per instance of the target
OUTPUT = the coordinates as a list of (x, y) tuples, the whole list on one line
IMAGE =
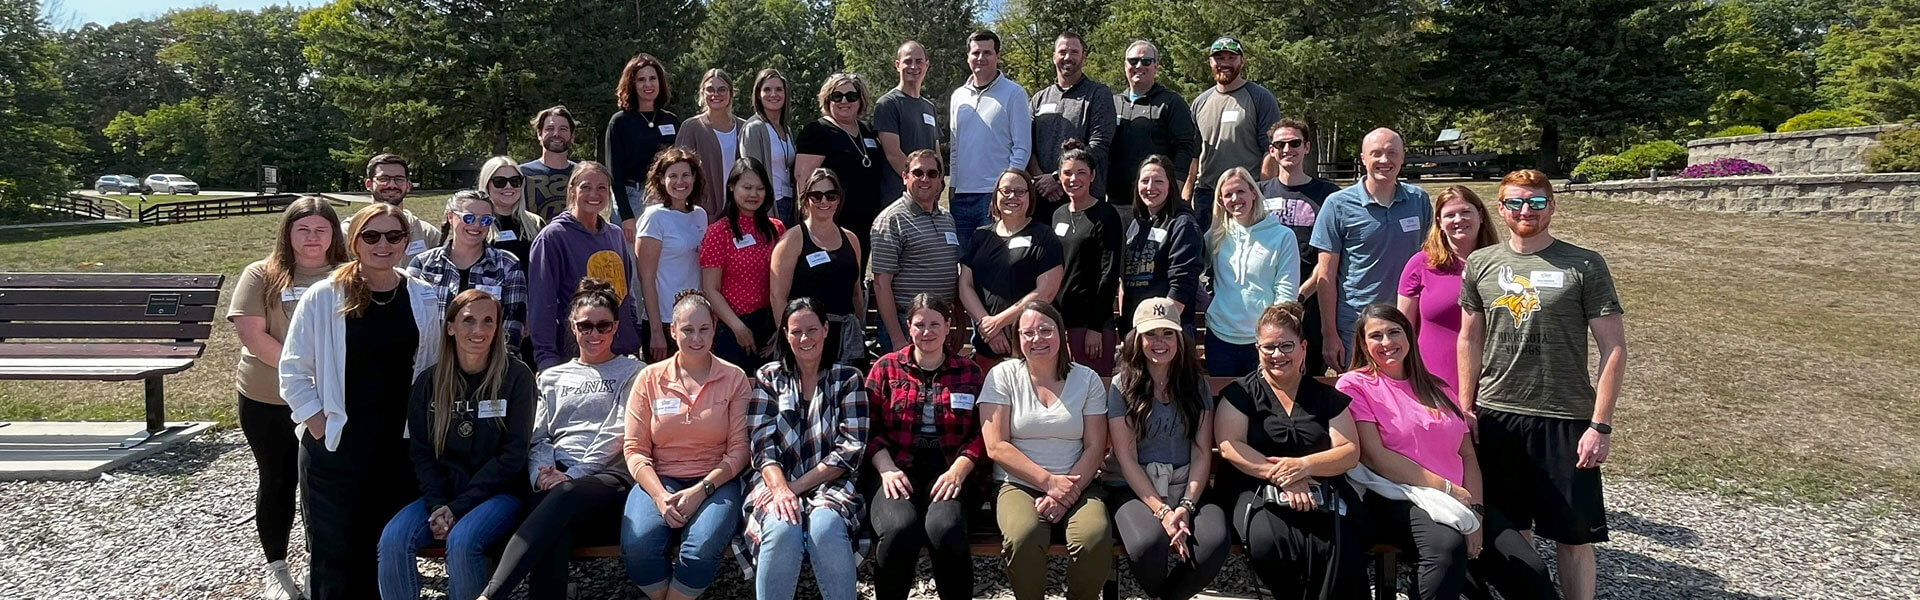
[(826, 276)]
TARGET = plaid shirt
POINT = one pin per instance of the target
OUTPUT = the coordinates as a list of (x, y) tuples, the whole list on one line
[(898, 385), (798, 434), (497, 272)]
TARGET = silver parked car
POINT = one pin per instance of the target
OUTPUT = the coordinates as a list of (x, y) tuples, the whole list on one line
[(161, 183), (124, 184)]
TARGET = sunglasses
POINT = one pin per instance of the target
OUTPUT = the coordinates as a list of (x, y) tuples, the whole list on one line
[(925, 173), (843, 97), (373, 237), (1143, 61), (1225, 45), (826, 196), (1287, 144), (600, 327), (512, 181), (1514, 204), (470, 218)]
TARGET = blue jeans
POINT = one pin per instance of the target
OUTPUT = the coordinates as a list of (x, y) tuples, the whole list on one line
[(783, 211), (467, 544), (644, 536), (1230, 360), (969, 213), (824, 540)]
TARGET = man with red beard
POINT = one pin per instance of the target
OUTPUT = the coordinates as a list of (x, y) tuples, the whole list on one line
[(1527, 306), (1234, 116)]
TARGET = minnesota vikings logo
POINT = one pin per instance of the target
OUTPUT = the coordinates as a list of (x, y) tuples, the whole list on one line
[(1521, 300)]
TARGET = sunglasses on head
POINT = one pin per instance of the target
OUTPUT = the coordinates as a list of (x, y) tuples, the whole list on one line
[(1225, 45), (1287, 144), (826, 196), (1143, 61), (600, 327), (1514, 204), (844, 97), (470, 218), (512, 181), (373, 237)]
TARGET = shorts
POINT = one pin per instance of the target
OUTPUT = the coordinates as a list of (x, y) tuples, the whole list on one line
[(1528, 473)]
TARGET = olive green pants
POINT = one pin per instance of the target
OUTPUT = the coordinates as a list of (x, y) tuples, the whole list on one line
[(1025, 538)]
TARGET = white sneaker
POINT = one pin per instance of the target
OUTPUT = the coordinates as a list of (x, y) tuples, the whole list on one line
[(280, 585)]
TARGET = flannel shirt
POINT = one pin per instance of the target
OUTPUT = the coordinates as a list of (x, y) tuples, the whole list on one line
[(497, 271), (896, 384), (798, 434)]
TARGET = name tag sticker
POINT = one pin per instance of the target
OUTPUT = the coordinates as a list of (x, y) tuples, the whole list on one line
[(1229, 116), (1410, 224), (666, 406), (1257, 255), (292, 294), (743, 241), (666, 129), (1061, 229), (1019, 242), (1274, 204), (505, 236), (952, 240), (490, 409), (1548, 279), (1157, 234), (819, 258), (1049, 108), (960, 401), (491, 290), (871, 144), (416, 247), (928, 117)]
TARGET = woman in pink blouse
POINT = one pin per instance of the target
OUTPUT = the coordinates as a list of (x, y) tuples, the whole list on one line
[(1414, 435), (1430, 282), (733, 266)]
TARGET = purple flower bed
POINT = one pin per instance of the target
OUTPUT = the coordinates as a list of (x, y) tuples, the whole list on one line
[(1725, 167)]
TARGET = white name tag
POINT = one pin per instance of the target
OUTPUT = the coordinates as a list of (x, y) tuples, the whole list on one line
[(1274, 204), (952, 240), (1229, 116), (1410, 224), (1548, 279), (1157, 234), (1061, 229), (819, 258), (416, 247), (666, 406), (491, 290), (666, 129), (505, 236), (743, 241), (871, 144), (960, 401), (1049, 108), (928, 117), (493, 408), (1257, 255), (292, 294), (1019, 242)]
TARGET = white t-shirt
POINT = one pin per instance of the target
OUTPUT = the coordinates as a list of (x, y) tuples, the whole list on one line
[(1050, 436), (679, 234), (780, 152), (729, 149)]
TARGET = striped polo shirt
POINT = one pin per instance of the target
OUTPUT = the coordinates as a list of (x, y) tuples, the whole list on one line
[(919, 248)]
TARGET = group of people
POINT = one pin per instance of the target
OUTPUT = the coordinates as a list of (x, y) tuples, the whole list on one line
[(547, 366)]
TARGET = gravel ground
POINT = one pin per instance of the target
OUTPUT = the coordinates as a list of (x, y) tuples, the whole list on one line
[(179, 526)]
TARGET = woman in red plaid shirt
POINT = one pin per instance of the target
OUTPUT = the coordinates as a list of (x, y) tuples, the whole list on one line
[(923, 440)]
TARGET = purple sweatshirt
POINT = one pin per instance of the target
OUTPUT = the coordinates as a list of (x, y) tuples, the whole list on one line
[(562, 254)]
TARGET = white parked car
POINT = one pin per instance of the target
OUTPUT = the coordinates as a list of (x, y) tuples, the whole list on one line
[(160, 183)]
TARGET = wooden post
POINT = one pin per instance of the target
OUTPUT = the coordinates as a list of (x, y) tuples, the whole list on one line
[(156, 408)]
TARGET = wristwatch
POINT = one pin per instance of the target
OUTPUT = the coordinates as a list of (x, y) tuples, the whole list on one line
[(706, 487), (1603, 428)]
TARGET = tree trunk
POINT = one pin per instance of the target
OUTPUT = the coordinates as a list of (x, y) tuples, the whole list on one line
[(1549, 160), (500, 130)]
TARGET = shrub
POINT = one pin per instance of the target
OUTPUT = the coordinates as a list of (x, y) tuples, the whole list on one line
[(1663, 155), (1726, 167), (1821, 119), (1605, 167), (1738, 130), (1895, 151)]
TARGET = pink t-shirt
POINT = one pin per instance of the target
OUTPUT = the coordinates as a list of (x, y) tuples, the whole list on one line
[(742, 262), (1431, 438), (1439, 294)]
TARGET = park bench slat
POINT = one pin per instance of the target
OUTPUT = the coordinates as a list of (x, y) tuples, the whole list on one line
[(119, 312), (166, 331), (101, 349), (188, 297), (109, 280), (93, 369)]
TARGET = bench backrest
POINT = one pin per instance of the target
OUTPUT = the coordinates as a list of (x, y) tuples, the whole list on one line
[(108, 306)]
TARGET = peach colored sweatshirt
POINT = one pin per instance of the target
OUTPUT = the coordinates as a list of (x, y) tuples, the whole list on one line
[(688, 433)]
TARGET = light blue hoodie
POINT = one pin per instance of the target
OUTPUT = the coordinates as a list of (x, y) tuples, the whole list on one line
[(1253, 268)]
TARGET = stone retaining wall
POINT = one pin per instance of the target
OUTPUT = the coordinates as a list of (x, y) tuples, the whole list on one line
[(1816, 152), (1869, 197)]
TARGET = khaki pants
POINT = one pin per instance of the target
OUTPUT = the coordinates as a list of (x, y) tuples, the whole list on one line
[(1025, 538)]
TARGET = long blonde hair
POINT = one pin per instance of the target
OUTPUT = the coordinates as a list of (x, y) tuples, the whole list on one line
[(347, 280), (528, 221), (280, 262), (1220, 218), (449, 384)]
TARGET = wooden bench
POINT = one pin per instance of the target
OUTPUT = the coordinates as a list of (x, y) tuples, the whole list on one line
[(106, 327), (1478, 166)]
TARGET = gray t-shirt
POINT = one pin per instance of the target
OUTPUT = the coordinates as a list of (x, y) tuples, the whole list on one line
[(1233, 130), (580, 420), (915, 120), (1050, 436), (1374, 243), (1537, 307), (1083, 112)]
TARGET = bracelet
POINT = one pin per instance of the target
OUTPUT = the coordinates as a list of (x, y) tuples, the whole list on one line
[(1162, 513), (1449, 487), (1187, 503)]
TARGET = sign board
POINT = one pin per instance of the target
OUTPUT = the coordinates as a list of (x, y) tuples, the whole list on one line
[(269, 179), (163, 305)]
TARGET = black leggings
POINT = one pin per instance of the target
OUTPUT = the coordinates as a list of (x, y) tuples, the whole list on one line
[(902, 532), (539, 550), (276, 453), (1146, 542), (1300, 555), (1507, 561)]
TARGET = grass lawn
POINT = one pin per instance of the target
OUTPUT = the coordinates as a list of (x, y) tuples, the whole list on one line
[(1765, 354)]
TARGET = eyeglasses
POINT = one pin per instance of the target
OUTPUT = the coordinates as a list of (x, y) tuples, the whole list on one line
[(853, 96), (823, 197), (925, 173), (373, 237), (1016, 192), (600, 327), (1280, 348), (470, 218), (390, 179), (1142, 61), (512, 181), (1043, 333), (1287, 144), (1514, 204)]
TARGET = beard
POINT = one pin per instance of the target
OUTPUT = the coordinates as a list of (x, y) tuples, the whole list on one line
[(1225, 75), (556, 146), (1527, 229)]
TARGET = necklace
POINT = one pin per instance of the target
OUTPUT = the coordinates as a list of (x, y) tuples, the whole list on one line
[(649, 120), (866, 161), (391, 295)]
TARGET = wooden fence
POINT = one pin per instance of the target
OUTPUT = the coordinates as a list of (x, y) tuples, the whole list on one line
[(89, 206), (216, 208)]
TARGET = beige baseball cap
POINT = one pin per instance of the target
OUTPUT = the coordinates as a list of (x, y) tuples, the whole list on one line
[(1156, 313)]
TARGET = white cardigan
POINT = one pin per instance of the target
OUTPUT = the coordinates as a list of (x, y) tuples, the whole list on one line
[(313, 358)]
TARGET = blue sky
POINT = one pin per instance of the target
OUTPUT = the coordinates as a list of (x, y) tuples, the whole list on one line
[(73, 13)]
